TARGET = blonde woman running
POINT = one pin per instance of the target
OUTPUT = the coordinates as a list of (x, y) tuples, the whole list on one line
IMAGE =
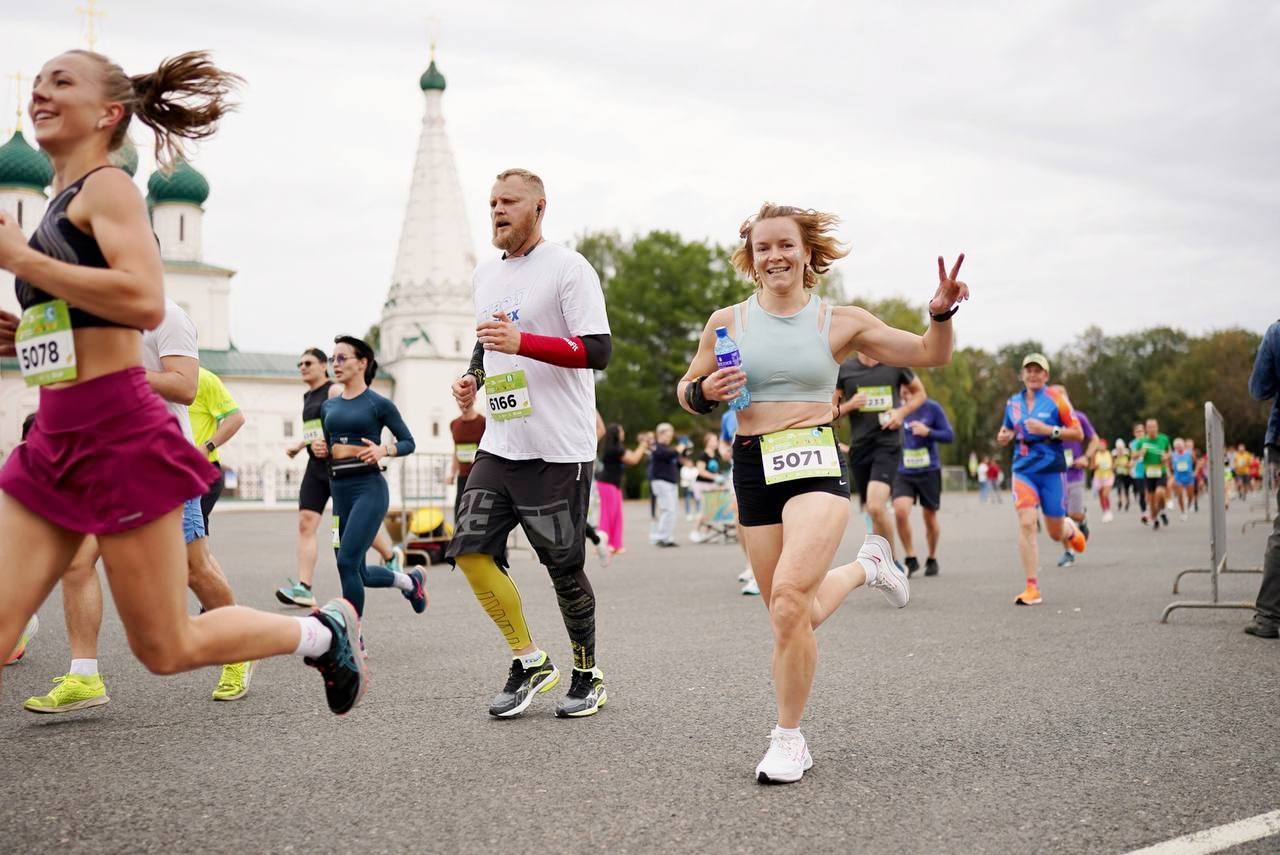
[(791, 481)]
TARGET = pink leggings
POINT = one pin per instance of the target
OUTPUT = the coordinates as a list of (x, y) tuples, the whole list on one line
[(610, 513)]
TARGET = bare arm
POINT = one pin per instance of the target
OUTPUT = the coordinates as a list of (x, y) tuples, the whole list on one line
[(890, 345), (131, 290), (721, 384), (177, 381), (634, 456), (227, 428)]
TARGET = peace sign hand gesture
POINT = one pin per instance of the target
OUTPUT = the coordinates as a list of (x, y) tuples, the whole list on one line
[(950, 289)]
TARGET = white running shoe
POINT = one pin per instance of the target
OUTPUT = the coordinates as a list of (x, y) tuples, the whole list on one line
[(1108, 517), (786, 761), (889, 580), (698, 536), (602, 549), (751, 589), (746, 575)]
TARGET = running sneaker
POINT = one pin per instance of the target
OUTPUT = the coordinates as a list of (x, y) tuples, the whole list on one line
[(1108, 517), (698, 536), (1155, 524), (343, 668), (746, 575), (890, 579), (418, 596), (931, 567), (522, 684), (1164, 518), (603, 552), (396, 561), (1029, 597), (24, 640), (913, 564), (235, 681), (1077, 542), (586, 695), (752, 588), (296, 594), (786, 761), (72, 692), (1067, 559)]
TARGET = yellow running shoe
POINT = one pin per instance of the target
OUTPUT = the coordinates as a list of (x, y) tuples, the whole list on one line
[(28, 633), (234, 684), (73, 692)]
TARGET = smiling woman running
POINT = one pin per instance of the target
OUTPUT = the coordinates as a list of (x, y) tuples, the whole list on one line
[(105, 457), (792, 484)]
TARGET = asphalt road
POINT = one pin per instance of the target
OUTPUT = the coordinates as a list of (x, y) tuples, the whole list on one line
[(959, 724)]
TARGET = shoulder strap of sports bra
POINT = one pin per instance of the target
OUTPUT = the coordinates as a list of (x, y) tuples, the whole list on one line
[(825, 330)]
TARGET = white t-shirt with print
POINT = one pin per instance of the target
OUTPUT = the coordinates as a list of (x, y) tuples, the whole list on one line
[(176, 336), (551, 291)]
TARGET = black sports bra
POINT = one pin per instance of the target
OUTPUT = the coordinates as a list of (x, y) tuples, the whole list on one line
[(58, 237)]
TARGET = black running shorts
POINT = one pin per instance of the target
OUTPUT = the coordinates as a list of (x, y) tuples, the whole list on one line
[(876, 463), (547, 500), (760, 503), (314, 494), (923, 488)]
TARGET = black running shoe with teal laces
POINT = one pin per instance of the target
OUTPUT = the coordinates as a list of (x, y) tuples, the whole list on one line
[(343, 667), (418, 596)]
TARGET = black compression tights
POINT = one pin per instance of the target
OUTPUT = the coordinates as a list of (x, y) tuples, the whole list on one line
[(578, 608)]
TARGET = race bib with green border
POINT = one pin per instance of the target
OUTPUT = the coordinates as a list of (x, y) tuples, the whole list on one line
[(312, 429), (915, 458), (879, 398), (508, 395), (46, 345), (799, 453)]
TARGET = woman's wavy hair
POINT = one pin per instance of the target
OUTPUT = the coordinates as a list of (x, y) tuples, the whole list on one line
[(816, 230), (183, 99)]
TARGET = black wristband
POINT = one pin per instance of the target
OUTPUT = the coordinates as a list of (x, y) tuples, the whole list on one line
[(477, 373), (695, 398), (945, 316)]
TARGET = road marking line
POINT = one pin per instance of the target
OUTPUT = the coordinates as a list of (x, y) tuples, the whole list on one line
[(1219, 838)]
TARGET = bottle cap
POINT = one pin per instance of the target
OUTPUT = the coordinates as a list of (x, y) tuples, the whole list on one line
[(722, 331)]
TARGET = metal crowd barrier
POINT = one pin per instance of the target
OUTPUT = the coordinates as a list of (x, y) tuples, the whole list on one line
[(1217, 524), (1268, 491)]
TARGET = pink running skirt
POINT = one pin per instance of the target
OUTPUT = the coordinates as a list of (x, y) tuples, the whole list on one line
[(105, 456)]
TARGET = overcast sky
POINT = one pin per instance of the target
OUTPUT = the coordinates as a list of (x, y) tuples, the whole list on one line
[(1098, 162)]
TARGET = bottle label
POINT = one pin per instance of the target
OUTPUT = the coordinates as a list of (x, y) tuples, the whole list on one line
[(728, 359)]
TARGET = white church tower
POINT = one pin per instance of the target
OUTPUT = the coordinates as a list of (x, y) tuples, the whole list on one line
[(428, 323)]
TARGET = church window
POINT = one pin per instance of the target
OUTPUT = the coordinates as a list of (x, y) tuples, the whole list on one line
[(435, 428), (182, 227), (19, 213)]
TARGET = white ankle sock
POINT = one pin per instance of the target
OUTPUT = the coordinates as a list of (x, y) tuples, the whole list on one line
[(315, 637), (787, 731), (531, 660), (868, 567), (403, 582), (84, 667)]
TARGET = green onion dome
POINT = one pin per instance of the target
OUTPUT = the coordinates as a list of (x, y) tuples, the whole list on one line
[(184, 185), (432, 78), (24, 166), (125, 157)]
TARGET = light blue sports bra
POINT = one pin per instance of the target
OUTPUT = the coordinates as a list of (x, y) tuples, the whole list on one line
[(786, 358)]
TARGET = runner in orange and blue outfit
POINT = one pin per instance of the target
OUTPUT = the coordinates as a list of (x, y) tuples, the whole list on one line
[(1040, 419)]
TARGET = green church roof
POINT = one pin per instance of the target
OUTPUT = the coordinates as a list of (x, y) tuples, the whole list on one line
[(23, 166), (432, 78), (184, 184)]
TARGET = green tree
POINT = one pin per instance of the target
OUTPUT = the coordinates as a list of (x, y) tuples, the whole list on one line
[(1214, 368)]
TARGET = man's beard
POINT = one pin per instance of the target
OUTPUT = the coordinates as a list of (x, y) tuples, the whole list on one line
[(514, 237)]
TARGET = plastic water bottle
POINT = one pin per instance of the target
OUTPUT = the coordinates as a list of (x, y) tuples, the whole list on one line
[(728, 355)]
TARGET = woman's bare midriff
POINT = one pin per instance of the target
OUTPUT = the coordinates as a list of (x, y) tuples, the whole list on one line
[(345, 452), (768, 416), (103, 350)]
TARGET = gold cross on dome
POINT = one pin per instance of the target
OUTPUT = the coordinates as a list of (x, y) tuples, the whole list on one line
[(17, 77), (433, 30), (90, 12)]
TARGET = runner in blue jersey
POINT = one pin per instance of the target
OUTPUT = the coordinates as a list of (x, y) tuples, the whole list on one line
[(1183, 464), (919, 479), (1040, 419)]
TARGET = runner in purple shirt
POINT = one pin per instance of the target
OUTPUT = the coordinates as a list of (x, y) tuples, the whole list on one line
[(919, 478), (1078, 455)]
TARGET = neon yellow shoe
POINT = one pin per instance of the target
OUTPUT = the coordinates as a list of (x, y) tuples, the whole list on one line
[(73, 692), (28, 633), (234, 684)]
